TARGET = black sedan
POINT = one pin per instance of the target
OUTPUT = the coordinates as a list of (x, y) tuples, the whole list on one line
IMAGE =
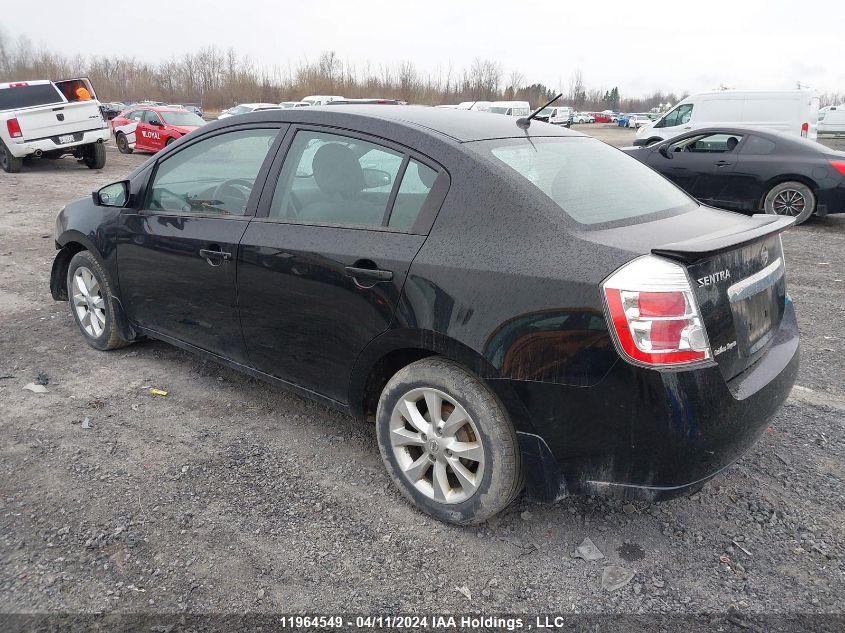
[(752, 170), (506, 313)]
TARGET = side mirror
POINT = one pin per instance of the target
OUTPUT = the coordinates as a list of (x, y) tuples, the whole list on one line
[(375, 178), (113, 195), (156, 123), (664, 151)]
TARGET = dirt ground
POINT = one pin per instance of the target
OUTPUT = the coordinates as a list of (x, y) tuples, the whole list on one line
[(228, 495)]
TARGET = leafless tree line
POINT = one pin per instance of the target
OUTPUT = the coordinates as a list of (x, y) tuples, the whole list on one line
[(220, 78)]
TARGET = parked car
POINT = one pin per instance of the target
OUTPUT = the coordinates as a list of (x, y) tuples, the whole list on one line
[(151, 129), (246, 108), (294, 104), (598, 117), (622, 120), (510, 108), (832, 120), (110, 110), (583, 117), (791, 111), (751, 170), (556, 115), (195, 108), (51, 119), (637, 120), (318, 100), (641, 359)]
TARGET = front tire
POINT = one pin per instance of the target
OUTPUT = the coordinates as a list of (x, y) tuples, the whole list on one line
[(11, 164), (90, 297), (94, 156), (122, 143), (791, 198), (460, 464)]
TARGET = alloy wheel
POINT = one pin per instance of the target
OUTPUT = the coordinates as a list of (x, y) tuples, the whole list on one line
[(88, 302), (437, 445), (789, 202)]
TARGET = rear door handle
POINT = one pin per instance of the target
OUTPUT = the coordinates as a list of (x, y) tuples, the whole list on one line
[(214, 256), (369, 273)]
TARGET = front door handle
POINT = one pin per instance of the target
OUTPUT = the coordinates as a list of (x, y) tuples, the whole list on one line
[(722, 163), (369, 273), (214, 256)]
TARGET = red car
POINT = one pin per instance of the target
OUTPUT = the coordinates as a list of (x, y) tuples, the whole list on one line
[(152, 128)]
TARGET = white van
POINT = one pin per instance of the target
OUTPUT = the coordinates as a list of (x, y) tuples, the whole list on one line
[(318, 100), (478, 106), (556, 115), (832, 120), (510, 108), (790, 111)]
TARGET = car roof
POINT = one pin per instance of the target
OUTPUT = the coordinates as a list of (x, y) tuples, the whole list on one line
[(460, 125)]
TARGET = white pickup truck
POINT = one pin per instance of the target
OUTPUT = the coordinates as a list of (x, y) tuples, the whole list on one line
[(51, 119)]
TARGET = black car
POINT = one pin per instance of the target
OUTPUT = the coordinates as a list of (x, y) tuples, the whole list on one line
[(752, 170), (510, 306)]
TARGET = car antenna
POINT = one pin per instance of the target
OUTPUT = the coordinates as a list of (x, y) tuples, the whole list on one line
[(524, 122)]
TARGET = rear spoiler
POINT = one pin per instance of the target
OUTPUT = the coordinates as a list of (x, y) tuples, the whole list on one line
[(691, 251)]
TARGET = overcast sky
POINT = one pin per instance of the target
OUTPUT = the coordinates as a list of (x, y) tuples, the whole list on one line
[(638, 46)]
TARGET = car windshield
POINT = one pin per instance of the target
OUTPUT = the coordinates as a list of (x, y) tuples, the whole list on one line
[(241, 109), (545, 112), (187, 119), (499, 110), (590, 181)]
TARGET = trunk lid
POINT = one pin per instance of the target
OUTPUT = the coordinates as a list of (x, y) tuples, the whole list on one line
[(59, 119), (738, 278), (736, 269)]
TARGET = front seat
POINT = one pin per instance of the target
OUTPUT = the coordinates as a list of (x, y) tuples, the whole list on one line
[(339, 177)]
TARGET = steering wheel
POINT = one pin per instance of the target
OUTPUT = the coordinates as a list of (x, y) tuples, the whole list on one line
[(240, 197)]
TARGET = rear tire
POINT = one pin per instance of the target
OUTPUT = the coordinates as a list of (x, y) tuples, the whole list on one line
[(90, 298), (94, 156), (464, 466), (11, 164), (791, 199), (122, 143)]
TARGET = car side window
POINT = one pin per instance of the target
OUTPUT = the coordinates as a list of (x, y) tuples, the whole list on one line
[(414, 189), (678, 116), (757, 146), (135, 116), (213, 176), (151, 117), (707, 143), (334, 179)]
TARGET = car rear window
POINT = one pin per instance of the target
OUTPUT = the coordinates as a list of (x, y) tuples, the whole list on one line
[(590, 181), (29, 96)]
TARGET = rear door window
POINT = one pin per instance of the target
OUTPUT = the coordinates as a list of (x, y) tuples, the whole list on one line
[(590, 181), (334, 179), (29, 96)]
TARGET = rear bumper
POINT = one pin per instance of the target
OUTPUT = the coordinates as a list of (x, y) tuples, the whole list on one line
[(644, 433), (831, 200), (51, 144)]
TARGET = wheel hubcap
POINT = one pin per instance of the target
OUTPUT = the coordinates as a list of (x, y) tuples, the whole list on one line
[(789, 202), (437, 445), (88, 302)]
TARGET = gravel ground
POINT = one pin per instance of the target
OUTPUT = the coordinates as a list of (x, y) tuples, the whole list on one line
[(228, 495)]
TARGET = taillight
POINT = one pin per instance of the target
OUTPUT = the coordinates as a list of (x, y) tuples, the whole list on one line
[(838, 165), (805, 130), (654, 315), (14, 128)]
